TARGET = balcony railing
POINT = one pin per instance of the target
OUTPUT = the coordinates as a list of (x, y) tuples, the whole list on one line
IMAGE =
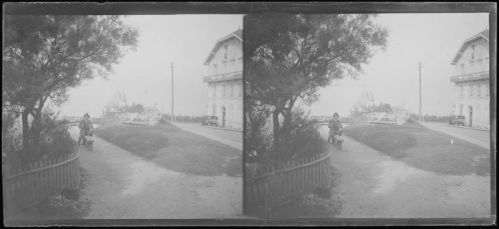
[(223, 77), (470, 76)]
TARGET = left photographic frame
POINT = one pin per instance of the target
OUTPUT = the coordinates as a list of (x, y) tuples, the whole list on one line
[(121, 117)]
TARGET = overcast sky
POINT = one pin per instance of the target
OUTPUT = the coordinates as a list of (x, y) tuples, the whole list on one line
[(392, 75), (145, 75)]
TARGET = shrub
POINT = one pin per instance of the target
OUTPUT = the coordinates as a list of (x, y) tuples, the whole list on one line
[(11, 137), (300, 138), (256, 136), (54, 140)]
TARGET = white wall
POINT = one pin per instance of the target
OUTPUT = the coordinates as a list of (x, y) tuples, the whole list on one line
[(473, 94), (227, 93), (220, 65), (466, 64)]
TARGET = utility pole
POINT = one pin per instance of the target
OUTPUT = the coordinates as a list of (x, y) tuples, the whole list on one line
[(420, 99), (173, 99)]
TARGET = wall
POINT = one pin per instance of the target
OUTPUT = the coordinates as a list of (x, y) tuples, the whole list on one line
[(228, 93), (474, 94), (466, 64), (234, 61)]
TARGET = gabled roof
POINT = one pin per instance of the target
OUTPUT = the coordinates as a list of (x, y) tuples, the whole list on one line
[(238, 34), (482, 35)]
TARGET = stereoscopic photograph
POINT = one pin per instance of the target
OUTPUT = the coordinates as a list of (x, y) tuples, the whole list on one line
[(122, 117), (367, 116)]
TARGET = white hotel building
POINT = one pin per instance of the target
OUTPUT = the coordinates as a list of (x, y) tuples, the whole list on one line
[(225, 93), (472, 81)]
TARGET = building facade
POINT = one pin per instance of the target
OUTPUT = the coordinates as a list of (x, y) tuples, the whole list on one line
[(471, 80), (225, 85)]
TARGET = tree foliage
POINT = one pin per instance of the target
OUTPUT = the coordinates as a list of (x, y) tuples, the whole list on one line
[(290, 57), (45, 55)]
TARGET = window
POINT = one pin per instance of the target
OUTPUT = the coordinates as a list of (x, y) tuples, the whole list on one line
[(461, 89), (223, 91), (479, 89), (473, 52), (460, 109), (231, 92), (214, 110), (470, 90), (486, 88), (214, 90), (215, 68), (226, 48)]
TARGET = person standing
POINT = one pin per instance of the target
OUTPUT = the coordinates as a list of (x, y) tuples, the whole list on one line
[(86, 128), (335, 127)]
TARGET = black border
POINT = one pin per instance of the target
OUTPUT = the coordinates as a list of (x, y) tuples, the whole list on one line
[(165, 8), (245, 7)]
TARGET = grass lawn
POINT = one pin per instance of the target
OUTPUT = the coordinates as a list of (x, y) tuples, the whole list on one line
[(424, 148), (175, 149)]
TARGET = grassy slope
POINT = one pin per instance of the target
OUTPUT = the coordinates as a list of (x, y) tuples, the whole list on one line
[(424, 148), (175, 149)]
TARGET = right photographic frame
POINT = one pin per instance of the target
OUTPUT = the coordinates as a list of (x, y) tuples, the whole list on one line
[(369, 116)]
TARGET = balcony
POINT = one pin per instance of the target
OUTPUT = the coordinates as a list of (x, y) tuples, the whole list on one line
[(470, 76), (223, 77)]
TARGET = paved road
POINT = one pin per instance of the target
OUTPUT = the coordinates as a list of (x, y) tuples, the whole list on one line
[(477, 137), (372, 185), (122, 185), (231, 138)]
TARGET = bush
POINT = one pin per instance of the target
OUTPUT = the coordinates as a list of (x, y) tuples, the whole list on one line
[(54, 140), (300, 138), (11, 137), (256, 137)]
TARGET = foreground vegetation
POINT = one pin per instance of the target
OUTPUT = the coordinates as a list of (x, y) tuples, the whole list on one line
[(175, 149), (66, 205), (424, 148)]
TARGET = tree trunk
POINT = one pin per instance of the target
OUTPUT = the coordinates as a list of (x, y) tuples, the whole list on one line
[(36, 128), (287, 113), (276, 129), (287, 119), (25, 123)]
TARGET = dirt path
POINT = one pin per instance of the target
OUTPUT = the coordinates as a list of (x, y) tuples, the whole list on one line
[(122, 185), (372, 185)]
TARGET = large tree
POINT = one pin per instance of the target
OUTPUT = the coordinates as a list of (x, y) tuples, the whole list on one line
[(45, 55), (290, 57)]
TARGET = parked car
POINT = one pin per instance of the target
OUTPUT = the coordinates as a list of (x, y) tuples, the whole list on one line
[(209, 120), (457, 120)]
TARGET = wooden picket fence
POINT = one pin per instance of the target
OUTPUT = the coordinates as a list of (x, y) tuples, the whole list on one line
[(272, 186), (35, 182)]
